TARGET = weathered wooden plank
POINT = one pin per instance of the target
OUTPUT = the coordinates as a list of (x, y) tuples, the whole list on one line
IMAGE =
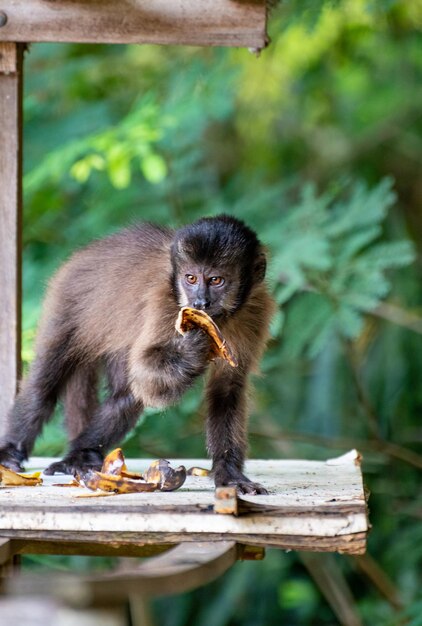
[(310, 503), (355, 543), (10, 222), (182, 568), (74, 520), (240, 23), (88, 548)]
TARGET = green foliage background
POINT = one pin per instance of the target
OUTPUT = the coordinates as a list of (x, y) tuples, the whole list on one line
[(317, 145)]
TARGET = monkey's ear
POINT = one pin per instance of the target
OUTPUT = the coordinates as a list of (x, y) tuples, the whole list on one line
[(260, 267), (180, 248)]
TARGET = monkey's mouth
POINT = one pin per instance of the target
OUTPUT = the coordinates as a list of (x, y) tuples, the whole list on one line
[(212, 311)]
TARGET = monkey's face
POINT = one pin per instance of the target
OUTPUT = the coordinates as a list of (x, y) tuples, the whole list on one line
[(211, 289), (216, 262)]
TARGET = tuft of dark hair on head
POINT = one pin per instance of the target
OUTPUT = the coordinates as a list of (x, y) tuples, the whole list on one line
[(221, 239)]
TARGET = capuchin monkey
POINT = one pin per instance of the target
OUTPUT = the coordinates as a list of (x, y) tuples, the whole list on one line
[(111, 309)]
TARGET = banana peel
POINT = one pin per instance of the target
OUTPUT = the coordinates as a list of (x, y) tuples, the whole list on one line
[(198, 471), (115, 484), (9, 478), (189, 318), (73, 483), (115, 463), (115, 478), (167, 478)]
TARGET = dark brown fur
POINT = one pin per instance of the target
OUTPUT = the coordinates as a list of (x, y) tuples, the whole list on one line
[(113, 307)]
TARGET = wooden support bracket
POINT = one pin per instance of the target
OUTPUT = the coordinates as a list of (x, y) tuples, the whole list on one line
[(226, 501), (6, 551), (183, 568)]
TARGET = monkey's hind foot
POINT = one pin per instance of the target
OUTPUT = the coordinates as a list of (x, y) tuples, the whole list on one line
[(229, 477), (11, 457), (77, 462), (250, 488)]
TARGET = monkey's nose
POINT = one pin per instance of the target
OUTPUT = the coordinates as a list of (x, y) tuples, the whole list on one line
[(201, 303)]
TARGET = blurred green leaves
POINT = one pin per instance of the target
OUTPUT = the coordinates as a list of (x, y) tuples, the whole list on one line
[(336, 97), (300, 596), (328, 252), (113, 150), (413, 615)]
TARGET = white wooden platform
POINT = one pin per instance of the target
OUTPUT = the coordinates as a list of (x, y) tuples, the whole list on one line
[(312, 505)]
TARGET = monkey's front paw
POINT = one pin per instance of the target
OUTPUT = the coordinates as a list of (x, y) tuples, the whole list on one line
[(11, 457), (78, 462)]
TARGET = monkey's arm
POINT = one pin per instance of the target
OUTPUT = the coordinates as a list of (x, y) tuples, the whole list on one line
[(161, 372), (227, 428)]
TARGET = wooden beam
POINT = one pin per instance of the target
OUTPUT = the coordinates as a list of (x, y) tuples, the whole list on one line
[(6, 550), (183, 568), (353, 543), (87, 548), (240, 23), (10, 222)]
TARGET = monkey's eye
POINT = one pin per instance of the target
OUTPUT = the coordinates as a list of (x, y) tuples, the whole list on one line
[(216, 281), (191, 279)]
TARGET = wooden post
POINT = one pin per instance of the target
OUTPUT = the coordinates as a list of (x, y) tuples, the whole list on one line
[(10, 222)]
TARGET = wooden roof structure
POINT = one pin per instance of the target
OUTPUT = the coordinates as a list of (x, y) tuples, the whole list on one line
[(240, 23)]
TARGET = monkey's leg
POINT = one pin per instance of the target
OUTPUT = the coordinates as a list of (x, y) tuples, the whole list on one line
[(34, 404), (113, 419), (226, 429), (80, 399)]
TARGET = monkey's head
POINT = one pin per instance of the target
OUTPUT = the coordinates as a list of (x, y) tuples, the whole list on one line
[(216, 262)]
